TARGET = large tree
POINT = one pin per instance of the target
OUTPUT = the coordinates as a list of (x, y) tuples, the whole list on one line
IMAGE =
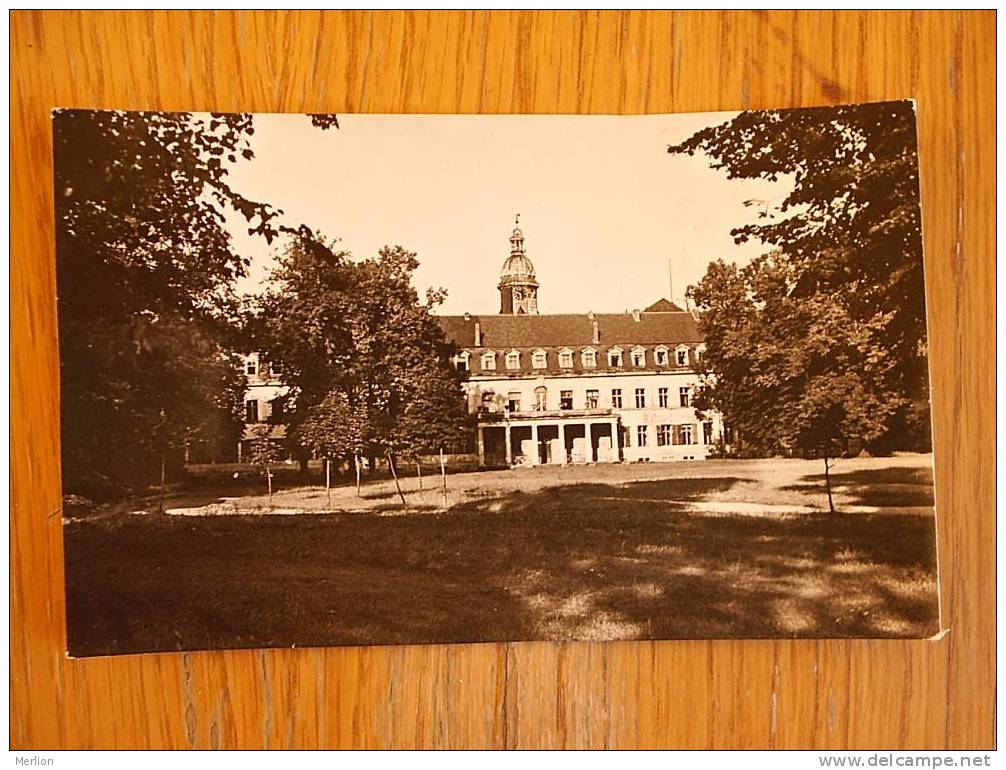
[(360, 351), (847, 243), (791, 373), (145, 268)]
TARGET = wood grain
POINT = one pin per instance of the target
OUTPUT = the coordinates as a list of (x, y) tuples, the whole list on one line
[(827, 694)]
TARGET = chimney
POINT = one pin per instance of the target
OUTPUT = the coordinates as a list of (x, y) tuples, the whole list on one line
[(478, 334), (635, 315), (590, 314), (597, 332), (468, 316)]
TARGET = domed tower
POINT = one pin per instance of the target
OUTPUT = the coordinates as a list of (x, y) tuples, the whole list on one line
[(518, 286)]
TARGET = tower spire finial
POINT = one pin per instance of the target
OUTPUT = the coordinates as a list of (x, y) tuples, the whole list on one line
[(516, 237)]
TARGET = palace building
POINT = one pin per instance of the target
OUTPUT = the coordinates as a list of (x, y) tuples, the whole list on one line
[(561, 388), (578, 388)]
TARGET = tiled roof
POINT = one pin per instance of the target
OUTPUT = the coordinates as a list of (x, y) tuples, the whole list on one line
[(527, 333), (502, 332)]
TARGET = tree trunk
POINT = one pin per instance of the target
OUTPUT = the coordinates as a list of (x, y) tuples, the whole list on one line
[(827, 482), (328, 481), (268, 481), (398, 486), (419, 473), (356, 463), (443, 474)]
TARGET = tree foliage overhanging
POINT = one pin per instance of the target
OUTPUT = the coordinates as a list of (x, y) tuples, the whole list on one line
[(145, 270), (823, 340), (151, 328)]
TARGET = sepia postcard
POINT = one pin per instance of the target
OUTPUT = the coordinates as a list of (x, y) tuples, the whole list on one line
[(402, 379)]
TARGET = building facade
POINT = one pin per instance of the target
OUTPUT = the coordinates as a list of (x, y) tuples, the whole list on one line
[(263, 386), (579, 388)]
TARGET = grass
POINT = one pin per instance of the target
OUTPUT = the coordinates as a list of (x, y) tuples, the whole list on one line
[(549, 553)]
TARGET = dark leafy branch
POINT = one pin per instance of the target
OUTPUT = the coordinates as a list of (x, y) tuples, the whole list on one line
[(822, 341)]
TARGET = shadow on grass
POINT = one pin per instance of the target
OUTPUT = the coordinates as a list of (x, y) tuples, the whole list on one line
[(572, 562), (664, 491), (884, 487)]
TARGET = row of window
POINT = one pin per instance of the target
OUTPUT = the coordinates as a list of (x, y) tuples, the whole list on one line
[(592, 401), (253, 367), (674, 435), (588, 358)]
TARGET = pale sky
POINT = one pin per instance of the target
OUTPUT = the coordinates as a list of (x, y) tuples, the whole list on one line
[(603, 205)]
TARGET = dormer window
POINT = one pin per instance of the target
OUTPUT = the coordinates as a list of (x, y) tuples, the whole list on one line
[(639, 356), (681, 354), (615, 357), (588, 358), (566, 358), (488, 360), (539, 359), (700, 351), (660, 356), (461, 362), (513, 360), (251, 366)]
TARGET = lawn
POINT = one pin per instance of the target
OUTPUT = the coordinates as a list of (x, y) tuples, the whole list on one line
[(599, 553)]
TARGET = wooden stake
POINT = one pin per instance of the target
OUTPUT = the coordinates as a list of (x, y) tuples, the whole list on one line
[(443, 474), (160, 502), (356, 462), (394, 473), (328, 481), (419, 473)]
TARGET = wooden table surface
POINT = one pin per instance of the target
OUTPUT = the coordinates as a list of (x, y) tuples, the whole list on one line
[(809, 694)]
